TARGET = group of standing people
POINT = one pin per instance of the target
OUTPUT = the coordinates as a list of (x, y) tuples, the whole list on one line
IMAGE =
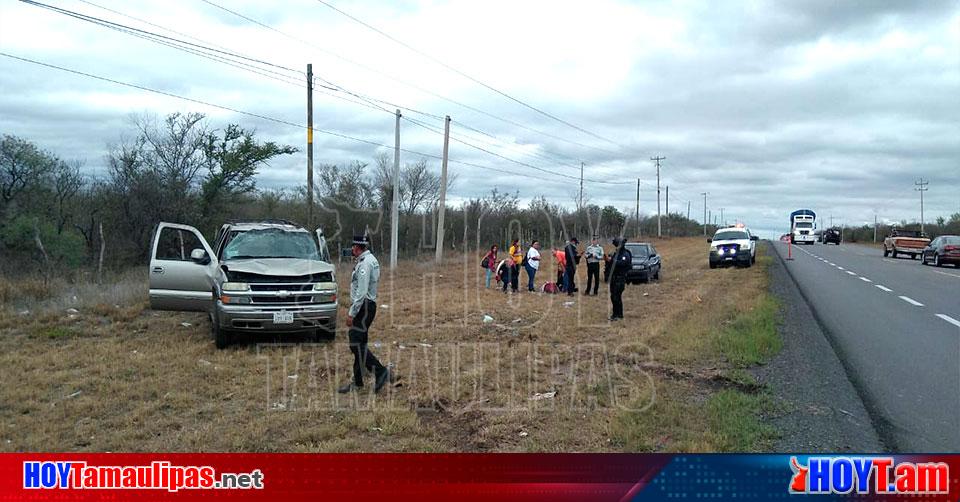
[(508, 269), (617, 263)]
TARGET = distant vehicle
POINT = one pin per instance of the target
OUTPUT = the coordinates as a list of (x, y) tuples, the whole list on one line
[(260, 276), (646, 262), (831, 235), (942, 250), (733, 246), (802, 225), (909, 242)]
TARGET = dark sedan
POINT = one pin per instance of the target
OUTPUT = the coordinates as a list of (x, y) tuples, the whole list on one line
[(942, 250), (646, 262), (831, 235)]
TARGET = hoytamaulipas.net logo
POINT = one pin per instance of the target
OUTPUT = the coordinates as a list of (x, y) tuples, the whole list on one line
[(158, 475), (868, 475)]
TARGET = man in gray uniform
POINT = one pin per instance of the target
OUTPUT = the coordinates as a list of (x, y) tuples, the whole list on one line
[(363, 309)]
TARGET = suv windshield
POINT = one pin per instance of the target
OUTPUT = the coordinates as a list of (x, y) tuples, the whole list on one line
[(951, 240), (639, 250), (271, 243), (804, 224), (730, 235)]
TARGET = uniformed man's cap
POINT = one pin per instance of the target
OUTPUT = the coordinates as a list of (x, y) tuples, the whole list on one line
[(361, 240)]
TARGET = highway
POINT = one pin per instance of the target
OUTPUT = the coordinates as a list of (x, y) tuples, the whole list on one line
[(895, 325)]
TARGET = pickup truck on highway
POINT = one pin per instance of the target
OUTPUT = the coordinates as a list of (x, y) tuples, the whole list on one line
[(909, 242)]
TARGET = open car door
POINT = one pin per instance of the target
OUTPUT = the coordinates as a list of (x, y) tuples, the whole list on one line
[(182, 268)]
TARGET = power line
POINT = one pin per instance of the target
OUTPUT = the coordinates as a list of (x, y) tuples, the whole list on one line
[(465, 75), (404, 82), (258, 115), (508, 159), (174, 43)]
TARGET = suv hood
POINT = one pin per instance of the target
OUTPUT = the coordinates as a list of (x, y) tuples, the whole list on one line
[(278, 266)]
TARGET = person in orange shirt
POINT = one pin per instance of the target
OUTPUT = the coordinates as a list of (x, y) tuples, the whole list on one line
[(561, 265), (513, 272)]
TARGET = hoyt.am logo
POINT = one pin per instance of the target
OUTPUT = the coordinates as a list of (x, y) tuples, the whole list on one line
[(873, 475)]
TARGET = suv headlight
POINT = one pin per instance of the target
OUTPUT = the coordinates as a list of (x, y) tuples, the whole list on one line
[(235, 286)]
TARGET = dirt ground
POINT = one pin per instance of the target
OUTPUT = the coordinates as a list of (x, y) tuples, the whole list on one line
[(543, 373)]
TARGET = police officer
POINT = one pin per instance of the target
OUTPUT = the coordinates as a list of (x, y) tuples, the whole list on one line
[(363, 309), (622, 262)]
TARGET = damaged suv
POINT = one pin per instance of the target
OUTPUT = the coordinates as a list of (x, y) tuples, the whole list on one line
[(259, 277)]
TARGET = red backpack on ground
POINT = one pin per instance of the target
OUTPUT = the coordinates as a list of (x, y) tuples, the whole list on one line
[(550, 287)]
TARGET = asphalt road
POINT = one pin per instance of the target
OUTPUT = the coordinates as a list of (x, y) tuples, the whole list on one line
[(895, 324)]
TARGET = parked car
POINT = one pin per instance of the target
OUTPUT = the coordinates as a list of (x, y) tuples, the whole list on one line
[(733, 246), (942, 250), (831, 235), (900, 241), (646, 262), (259, 277)]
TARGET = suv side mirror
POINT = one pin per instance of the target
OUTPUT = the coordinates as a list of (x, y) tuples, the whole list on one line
[(709, 239), (199, 256), (754, 238)]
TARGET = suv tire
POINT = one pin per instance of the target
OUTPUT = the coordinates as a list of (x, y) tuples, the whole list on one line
[(221, 337)]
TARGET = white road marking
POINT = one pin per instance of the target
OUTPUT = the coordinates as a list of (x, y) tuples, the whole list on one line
[(840, 268), (864, 279), (911, 301), (949, 319), (881, 286), (832, 263), (851, 273), (947, 273)]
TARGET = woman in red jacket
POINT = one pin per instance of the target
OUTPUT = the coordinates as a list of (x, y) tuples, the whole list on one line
[(490, 263)]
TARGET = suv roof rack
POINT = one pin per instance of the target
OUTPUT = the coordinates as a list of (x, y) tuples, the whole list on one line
[(269, 221)]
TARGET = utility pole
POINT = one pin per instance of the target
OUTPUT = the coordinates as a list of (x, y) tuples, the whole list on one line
[(310, 146), (721, 217), (704, 194), (576, 217), (395, 202), (581, 186), (443, 189), (657, 159), (831, 221), (638, 208), (874, 228), (668, 201), (921, 187), (688, 210)]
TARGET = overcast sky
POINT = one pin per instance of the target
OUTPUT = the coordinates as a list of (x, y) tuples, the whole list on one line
[(839, 106)]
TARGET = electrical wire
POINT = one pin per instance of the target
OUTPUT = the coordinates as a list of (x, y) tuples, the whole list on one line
[(465, 75)]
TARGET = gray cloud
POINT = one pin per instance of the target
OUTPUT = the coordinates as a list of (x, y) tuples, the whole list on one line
[(768, 106)]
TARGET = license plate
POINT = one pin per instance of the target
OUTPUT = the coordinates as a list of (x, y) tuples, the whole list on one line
[(728, 258), (283, 317)]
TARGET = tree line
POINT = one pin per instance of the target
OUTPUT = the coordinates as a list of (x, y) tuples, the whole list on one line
[(180, 168)]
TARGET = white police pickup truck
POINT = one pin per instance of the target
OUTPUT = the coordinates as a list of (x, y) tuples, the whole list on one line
[(733, 246)]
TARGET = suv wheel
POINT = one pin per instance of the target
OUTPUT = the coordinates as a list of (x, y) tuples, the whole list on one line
[(936, 260), (221, 337), (893, 253)]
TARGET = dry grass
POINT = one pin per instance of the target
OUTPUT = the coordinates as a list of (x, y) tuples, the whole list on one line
[(116, 376)]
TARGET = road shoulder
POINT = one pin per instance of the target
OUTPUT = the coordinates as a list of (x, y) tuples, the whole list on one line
[(819, 408)]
